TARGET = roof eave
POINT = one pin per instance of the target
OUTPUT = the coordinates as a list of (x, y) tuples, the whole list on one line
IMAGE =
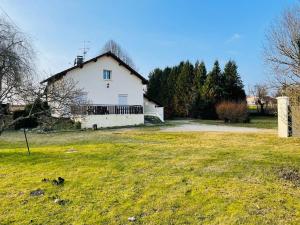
[(64, 72)]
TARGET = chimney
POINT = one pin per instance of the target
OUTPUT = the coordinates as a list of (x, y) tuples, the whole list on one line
[(78, 61)]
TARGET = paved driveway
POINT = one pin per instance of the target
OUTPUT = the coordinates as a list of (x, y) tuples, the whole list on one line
[(191, 126)]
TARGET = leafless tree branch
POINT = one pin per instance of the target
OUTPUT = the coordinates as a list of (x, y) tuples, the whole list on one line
[(116, 49), (19, 86), (282, 54)]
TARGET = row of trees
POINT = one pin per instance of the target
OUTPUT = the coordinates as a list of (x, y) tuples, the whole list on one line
[(188, 90)]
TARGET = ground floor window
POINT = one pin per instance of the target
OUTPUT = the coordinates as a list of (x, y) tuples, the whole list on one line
[(123, 99)]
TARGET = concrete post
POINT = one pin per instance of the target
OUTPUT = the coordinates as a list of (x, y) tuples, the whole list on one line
[(283, 114)]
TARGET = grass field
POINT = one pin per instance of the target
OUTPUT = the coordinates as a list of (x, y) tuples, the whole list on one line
[(266, 122), (158, 178)]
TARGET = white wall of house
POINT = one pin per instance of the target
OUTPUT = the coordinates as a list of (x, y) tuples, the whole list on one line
[(122, 82), (123, 88), (152, 109), (113, 120)]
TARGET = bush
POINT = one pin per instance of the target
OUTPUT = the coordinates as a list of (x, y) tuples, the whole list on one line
[(77, 125), (52, 123), (233, 112), (39, 106), (24, 123), (152, 119), (4, 108)]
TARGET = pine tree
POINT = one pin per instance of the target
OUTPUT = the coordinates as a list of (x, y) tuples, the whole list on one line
[(154, 85), (170, 108), (200, 77), (187, 90), (184, 88), (164, 89), (211, 93), (213, 88), (233, 85), (200, 73)]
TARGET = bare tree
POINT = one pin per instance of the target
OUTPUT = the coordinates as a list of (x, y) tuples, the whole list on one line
[(16, 62), (19, 85), (282, 54), (282, 47), (45, 101), (260, 92), (115, 48)]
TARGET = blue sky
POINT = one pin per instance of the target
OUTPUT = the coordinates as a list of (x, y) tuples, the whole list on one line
[(155, 33)]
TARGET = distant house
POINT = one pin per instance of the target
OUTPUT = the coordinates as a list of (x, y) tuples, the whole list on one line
[(251, 100), (268, 101), (114, 90)]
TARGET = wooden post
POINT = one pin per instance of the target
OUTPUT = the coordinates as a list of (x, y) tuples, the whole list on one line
[(26, 141)]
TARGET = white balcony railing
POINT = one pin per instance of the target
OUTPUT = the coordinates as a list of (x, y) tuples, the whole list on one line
[(106, 109)]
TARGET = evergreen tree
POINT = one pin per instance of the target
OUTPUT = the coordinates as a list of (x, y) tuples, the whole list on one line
[(171, 106), (154, 85), (200, 77), (233, 85), (200, 74), (164, 88), (187, 90), (213, 88), (184, 88), (211, 93)]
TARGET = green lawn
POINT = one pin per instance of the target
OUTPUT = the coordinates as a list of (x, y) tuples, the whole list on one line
[(266, 122), (156, 177)]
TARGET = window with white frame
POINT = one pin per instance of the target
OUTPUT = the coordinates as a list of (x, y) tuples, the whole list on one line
[(106, 74), (123, 99)]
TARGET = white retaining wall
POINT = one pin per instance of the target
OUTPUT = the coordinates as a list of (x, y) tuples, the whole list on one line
[(113, 120), (151, 109)]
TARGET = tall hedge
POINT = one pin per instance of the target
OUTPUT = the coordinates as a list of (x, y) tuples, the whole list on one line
[(188, 90)]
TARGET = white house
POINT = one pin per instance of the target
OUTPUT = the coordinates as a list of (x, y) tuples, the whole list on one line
[(114, 90)]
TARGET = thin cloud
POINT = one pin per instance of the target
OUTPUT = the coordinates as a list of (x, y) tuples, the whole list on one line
[(234, 38)]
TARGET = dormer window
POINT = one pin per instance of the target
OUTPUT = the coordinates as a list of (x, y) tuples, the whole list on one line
[(106, 74)]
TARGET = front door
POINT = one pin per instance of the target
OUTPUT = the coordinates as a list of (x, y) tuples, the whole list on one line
[(123, 99)]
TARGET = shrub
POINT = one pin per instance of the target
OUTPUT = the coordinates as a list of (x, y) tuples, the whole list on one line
[(232, 112), (4, 108), (24, 123), (39, 106), (52, 123), (77, 125), (152, 119)]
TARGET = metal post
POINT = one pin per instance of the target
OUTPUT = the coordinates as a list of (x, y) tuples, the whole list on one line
[(26, 141)]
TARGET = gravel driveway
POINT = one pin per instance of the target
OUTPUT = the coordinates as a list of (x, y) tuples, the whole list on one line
[(190, 126)]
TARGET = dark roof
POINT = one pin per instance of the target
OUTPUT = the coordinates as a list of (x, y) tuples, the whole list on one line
[(109, 54), (152, 100)]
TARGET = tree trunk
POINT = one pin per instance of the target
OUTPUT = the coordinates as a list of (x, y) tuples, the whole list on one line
[(262, 109)]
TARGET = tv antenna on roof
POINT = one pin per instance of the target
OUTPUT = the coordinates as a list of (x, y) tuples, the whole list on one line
[(85, 48)]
